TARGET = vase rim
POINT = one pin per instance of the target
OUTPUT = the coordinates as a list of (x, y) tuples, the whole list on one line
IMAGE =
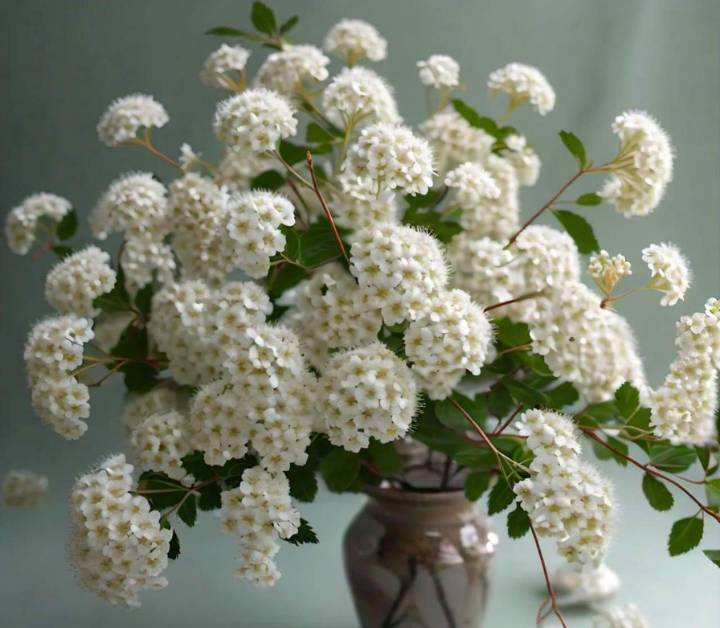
[(429, 497)]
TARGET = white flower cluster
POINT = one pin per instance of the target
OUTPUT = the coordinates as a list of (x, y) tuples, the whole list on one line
[(258, 513), (483, 268), (586, 583), (160, 441), (607, 270), (523, 83), (670, 271), (286, 71), (628, 616), (22, 221), (357, 208), (254, 121), (402, 268), (684, 407), (546, 258), (335, 312), (118, 546), (388, 157), (643, 166), (54, 349), (494, 217), (126, 116), (354, 40), (453, 140), (159, 400), (565, 497), (366, 392), (439, 71), (238, 167), (453, 337), (223, 66), (23, 489), (473, 184), (585, 344), (254, 226), (73, 284), (358, 95), (523, 158)]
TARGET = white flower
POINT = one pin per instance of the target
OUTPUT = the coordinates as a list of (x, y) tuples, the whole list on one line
[(160, 441), (23, 489), (254, 121), (606, 271), (439, 71), (473, 184), (389, 157), (358, 95), (523, 83), (258, 513), (287, 70), (254, 226), (523, 158), (118, 546), (401, 268), (586, 583), (188, 157), (135, 203), (73, 284), (628, 616), (454, 140), (126, 116), (22, 220), (223, 66), (670, 271), (643, 166), (146, 257), (238, 167), (354, 40), (366, 392), (357, 208), (453, 337), (698, 336)]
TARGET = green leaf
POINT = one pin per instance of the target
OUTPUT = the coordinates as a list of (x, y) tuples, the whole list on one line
[(303, 483), (263, 18), (578, 229), (476, 457), (476, 483), (174, 550), (340, 469), (449, 415), (534, 362), (501, 496), (563, 395), (712, 491), (188, 511), (672, 458), (657, 494), (288, 25), (429, 431), (385, 456), (589, 199), (195, 463), (143, 299), (522, 393), (601, 411), (269, 180), (160, 490), (713, 555), (499, 401), (627, 399), (62, 251), (292, 153), (476, 120), (685, 535), (226, 31), (316, 134), (512, 334), (430, 198), (518, 523), (318, 245), (232, 471), (133, 343), (442, 228), (210, 497), (305, 534), (638, 423), (139, 377), (284, 279), (67, 227), (575, 146)]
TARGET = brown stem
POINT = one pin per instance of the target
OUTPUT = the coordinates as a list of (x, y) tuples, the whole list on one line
[(294, 172), (548, 583), (653, 472), (537, 214), (328, 214), (479, 430), (405, 584), (442, 598), (524, 297), (510, 419)]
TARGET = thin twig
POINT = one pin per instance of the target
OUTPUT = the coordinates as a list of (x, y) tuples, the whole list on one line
[(293, 171), (548, 583), (328, 214), (510, 419), (442, 598), (524, 297)]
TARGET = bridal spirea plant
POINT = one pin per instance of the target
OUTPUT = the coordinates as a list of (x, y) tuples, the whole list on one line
[(342, 282)]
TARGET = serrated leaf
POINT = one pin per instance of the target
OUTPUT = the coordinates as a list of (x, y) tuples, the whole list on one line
[(476, 120), (501, 496), (713, 555), (188, 511), (305, 534), (340, 469), (174, 549), (518, 523), (575, 146), (160, 490), (685, 535), (499, 401), (563, 395), (602, 411), (269, 180), (511, 333), (210, 497), (673, 458), (143, 299), (429, 431), (476, 483), (263, 18), (226, 31), (523, 393), (318, 245), (536, 363), (449, 415), (317, 134), (195, 464), (478, 458), (139, 377), (62, 251), (712, 491), (578, 229), (292, 153), (303, 483), (288, 25), (638, 423), (67, 227), (281, 280), (627, 399), (657, 494), (133, 343), (589, 199), (385, 456)]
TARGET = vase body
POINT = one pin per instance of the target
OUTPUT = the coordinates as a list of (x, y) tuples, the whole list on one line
[(418, 560)]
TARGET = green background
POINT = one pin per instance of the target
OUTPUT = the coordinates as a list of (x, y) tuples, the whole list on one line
[(62, 62)]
